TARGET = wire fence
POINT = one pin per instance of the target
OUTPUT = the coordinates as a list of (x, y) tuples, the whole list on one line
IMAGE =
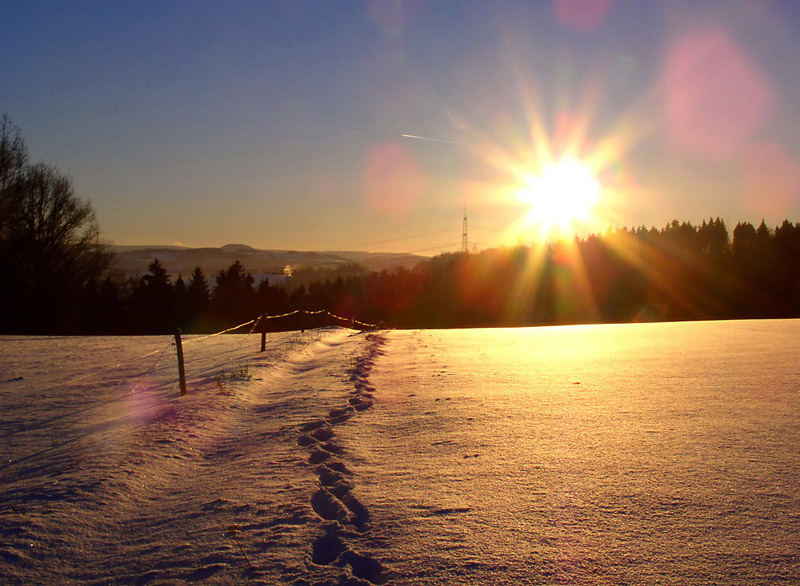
[(340, 320), (41, 400)]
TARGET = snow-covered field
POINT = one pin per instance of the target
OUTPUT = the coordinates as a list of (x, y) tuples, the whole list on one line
[(619, 454), (108, 474)]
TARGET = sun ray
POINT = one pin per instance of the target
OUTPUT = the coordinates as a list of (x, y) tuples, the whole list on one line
[(650, 262), (588, 304), (522, 299)]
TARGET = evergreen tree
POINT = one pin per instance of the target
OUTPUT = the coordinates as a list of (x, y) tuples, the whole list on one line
[(197, 298), (234, 298), (271, 299), (180, 302), (152, 303)]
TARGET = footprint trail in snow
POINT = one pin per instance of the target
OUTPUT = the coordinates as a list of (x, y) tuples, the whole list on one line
[(343, 514)]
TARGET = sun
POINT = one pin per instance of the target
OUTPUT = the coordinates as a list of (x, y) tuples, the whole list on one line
[(561, 197)]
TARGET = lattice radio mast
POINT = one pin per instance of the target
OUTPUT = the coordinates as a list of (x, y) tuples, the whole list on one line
[(464, 241)]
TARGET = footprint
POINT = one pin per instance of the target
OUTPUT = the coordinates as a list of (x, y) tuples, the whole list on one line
[(338, 466), (361, 515), (318, 456), (314, 425), (360, 404), (363, 567), (330, 478), (322, 433), (332, 448), (305, 440), (340, 415), (328, 506), (327, 548)]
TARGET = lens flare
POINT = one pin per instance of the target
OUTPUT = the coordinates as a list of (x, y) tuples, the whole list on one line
[(393, 180)]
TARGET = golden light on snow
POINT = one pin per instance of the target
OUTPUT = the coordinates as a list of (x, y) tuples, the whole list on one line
[(561, 197)]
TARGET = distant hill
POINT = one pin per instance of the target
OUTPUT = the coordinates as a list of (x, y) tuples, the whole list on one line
[(133, 261)]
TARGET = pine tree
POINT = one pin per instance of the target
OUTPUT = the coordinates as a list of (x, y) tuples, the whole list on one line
[(152, 303), (234, 298)]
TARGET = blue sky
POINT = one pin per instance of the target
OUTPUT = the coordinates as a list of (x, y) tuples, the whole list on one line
[(279, 124)]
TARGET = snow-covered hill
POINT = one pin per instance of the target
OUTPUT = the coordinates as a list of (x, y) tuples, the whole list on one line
[(133, 261)]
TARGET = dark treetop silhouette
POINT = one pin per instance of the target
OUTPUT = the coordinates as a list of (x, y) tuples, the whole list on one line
[(55, 276)]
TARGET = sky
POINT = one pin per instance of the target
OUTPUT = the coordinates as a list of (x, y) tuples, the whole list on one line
[(374, 125)]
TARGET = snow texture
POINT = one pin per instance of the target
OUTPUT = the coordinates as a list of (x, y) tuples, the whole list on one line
[(644, 453), (108, 474)]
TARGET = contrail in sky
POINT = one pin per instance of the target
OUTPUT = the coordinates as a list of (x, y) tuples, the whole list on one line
[(432, 139)]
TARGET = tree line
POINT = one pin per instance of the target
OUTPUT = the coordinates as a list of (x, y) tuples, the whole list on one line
[(677, 272), (56, 276)]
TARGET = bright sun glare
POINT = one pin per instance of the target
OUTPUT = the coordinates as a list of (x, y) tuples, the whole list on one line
[(561, 196)]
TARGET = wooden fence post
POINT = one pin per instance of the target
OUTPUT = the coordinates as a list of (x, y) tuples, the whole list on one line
[(181, 370)]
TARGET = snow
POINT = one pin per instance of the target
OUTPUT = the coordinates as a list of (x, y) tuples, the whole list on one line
[(117, 477), (616, 454), (627, 453)]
